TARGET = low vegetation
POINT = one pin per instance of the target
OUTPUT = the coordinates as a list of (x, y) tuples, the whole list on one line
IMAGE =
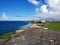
[(6, 35)]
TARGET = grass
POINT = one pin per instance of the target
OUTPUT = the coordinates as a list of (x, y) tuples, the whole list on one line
[(53, 26), (6, 35)]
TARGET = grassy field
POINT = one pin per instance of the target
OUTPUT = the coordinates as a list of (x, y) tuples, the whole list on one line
[(53, 26)]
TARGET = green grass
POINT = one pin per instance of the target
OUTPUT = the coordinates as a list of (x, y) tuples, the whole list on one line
[(53, 26), (6, 35)]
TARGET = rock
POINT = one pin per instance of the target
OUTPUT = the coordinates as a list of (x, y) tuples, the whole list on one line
[(36, 36)]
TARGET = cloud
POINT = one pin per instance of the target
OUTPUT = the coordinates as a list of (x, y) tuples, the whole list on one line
[(4, 16), (43, 12), (44, 9), (53, 12), (33, 2), (52, 3), (54, 6)]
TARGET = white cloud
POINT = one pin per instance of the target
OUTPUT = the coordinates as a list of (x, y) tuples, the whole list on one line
[(53, 12), (44, 9), (52, 3), (33, 2), (4, 16), (55, 8)]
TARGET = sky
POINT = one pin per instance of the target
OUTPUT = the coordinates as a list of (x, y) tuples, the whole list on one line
[(16, 10), (29, 9)]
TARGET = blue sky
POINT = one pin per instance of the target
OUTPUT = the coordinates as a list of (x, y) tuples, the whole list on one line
[(17, 8), (27, 9)]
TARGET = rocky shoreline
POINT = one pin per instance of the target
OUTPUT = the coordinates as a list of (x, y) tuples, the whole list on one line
[(34, 36)]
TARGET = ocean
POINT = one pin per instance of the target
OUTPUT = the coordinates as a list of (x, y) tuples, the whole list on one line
[(12, 26)]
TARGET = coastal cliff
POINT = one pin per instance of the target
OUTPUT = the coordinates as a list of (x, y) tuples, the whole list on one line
[(35, 36)]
